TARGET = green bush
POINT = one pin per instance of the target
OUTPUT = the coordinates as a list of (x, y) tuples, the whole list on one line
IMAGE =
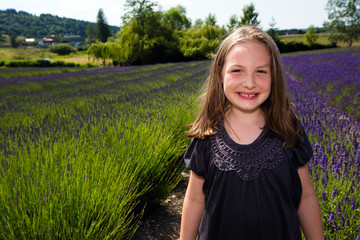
[(38, 63), (293, 46), (62, 49)]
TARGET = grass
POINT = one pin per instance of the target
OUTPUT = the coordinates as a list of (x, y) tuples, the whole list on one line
[(7, 54), (322, 51), (322, 39)]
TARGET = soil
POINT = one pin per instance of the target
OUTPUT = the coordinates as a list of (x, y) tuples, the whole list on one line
[(162, 222)]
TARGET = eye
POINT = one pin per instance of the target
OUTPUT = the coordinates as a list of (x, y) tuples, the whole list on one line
[(236, 70), (262, 71)]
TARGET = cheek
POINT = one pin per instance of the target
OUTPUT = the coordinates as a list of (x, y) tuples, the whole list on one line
[(265, 84)]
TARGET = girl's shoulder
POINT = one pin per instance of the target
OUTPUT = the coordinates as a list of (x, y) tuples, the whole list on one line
[(197, 156), (303, 151)]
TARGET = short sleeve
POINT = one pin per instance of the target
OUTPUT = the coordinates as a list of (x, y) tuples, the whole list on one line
[(196, 156), (303, 152)]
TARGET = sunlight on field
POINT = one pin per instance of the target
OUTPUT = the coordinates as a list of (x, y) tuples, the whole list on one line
[(77, 59), (323, 39), (24, 53)]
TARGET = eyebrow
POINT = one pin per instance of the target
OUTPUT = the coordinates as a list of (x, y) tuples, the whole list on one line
[(260, 66)]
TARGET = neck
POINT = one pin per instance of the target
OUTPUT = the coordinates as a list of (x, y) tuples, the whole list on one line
[(246, 119), (242, 127)]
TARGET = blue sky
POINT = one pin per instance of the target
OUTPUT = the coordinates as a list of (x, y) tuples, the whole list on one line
[(286, 13)]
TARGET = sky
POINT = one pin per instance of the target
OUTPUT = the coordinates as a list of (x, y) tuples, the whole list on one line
[(286, 14)]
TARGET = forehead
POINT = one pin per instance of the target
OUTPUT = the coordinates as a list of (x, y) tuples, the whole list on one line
[(248, 50)]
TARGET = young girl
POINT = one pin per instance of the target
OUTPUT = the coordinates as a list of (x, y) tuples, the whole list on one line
[(248, 156)]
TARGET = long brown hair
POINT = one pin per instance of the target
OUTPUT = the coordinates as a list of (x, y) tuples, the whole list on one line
[(280, 117)]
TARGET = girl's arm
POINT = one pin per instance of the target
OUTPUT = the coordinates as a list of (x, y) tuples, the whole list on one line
[(309, 210), (193, 208)]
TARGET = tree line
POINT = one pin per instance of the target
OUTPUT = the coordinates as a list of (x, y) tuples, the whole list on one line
[(21, 23), (149, 36)]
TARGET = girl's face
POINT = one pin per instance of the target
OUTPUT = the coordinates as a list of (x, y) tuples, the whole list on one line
[(247, 76)]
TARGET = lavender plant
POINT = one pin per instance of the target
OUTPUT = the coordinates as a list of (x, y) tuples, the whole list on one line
[(81, 153), (325, 88)]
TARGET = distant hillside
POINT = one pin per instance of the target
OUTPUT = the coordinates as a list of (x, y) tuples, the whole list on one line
[(28, 25)]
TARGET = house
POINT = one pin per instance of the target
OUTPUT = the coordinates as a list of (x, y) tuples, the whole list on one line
[(74, 40), (29, 40), (46, 42)]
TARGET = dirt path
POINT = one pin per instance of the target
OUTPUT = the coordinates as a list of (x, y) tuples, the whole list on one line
[(163, 223)]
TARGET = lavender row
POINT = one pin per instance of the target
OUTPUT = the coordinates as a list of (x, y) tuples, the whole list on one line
[(62, 75), (334, 131), (333, 75)]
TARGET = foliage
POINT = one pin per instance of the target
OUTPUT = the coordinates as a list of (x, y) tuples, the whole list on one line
[(102, 28), (13, 39), (61, 48), (153, 41), (311, 36), (198, 23), (90, 33), (273, 31), (140, 10), (37, 63), (249, 15), (176, 16), (99, 51), (210, 20), (201, 43), (344, 16), (29, 25), (233, 23)]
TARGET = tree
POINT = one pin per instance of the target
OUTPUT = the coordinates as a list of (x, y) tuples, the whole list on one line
[(13, 42), (90, 33), (249, 15), (201, 43), (344, 16), (139, 10), (176, 16), (273, 31), (210, 20), (198, 23), (62, 48), (99, 51), (102, 28), (233, 22), (311, 36)]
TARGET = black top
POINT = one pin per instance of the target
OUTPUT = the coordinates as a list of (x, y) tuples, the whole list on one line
[(252, 192)]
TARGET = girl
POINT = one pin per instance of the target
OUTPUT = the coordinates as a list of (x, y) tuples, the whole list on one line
[(248, 156)]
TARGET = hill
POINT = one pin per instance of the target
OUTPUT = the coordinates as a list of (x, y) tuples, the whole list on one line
[(28, 25)]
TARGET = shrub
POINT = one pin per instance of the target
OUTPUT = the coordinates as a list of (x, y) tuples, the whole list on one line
[(38, 63), (62, 49)]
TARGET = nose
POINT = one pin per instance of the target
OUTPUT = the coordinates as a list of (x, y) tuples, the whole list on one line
[(249, 81)]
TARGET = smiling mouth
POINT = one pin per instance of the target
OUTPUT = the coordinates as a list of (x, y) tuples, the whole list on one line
[(248, 95)]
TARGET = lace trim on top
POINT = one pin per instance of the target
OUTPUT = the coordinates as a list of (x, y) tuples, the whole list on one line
[(246, 160)]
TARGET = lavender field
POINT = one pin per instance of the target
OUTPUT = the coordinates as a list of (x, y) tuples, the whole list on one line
[(325, 89), (82, 152)]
